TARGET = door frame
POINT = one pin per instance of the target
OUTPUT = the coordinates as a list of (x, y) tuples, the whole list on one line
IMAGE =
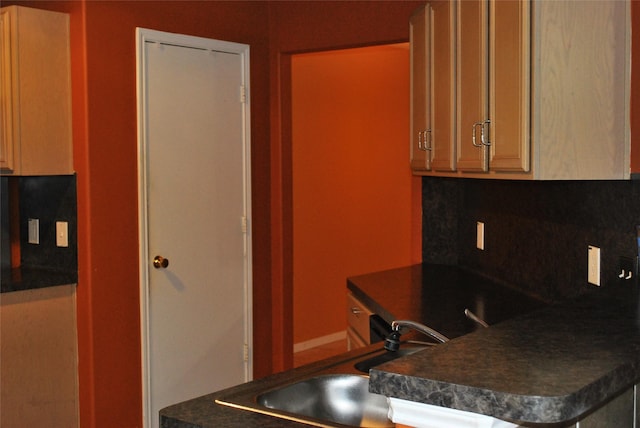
[(142, 37)]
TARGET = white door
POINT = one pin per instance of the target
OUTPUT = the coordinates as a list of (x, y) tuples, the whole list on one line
[(194, 211)]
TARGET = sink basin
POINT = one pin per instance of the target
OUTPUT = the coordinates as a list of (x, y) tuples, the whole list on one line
[(340, 398), (331, 393)]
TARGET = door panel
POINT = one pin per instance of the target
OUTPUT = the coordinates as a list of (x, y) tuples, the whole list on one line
[(196, 201), (420, 34), (510, 88), (472, 83), (443, 110)]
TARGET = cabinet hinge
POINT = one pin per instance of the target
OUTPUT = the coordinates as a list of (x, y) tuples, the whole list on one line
[(243, 224)]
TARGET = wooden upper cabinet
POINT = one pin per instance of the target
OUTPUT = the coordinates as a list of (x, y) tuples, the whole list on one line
[(6, 94), (580, 79), (35, 92), (472, 84), (419, 34), (541, 88), (443, 77), (509, 85)]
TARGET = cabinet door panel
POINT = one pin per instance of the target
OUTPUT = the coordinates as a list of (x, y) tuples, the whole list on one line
[(472, 83), (443, 132), (510, 89), (420, 88), (6, 118), (580, 77)]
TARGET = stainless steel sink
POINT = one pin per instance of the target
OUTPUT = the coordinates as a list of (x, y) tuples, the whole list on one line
[(334, 393), (341, 398)]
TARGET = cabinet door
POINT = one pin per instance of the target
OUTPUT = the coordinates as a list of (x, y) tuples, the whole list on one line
[(509, 68), (419, 34), (443, 60), (36, 92), (472, 83), (6, 121)]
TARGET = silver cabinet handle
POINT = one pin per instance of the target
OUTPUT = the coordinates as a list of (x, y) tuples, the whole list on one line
[(355, 310), (483, 141), (424, 140), (427, 139)]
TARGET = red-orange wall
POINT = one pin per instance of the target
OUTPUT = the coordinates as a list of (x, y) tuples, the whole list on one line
[(295, 27), (104, 114), (352, 185), (105, 159)]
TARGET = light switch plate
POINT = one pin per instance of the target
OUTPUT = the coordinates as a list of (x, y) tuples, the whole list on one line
[(34, 231), (480, 235), (594, 265), (62, 234)]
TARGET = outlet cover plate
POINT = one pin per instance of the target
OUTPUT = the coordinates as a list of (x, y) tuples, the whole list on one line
[(594, 265)]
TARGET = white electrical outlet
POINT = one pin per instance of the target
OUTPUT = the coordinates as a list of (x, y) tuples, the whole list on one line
[(594, 265), (34, 231), (480, 235), (62, 234)]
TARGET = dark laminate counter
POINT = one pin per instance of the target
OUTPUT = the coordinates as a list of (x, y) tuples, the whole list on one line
[(434, 294), (437, 295), (549, 366), (542, 364), (25, 278), (204, 412)]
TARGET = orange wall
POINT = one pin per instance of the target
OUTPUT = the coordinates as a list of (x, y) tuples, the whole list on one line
[(103, 73), (105, 158), (303, 27), (104, 115), (111, 349), (352, 185)]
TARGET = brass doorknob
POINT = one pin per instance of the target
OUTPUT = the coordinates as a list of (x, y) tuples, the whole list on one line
[(160, 262)]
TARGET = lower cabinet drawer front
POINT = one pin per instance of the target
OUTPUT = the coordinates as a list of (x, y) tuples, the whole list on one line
[(358, 317), (354, 341)]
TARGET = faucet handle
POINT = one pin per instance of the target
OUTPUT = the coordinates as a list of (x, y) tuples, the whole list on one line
[(392, 341)]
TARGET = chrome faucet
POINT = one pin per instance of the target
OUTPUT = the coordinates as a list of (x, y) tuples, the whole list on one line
[(392, 341)]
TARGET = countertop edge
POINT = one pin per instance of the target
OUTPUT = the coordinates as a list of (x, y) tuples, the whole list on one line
[(618, 372)]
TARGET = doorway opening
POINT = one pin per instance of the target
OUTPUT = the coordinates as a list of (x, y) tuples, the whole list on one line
[(355, 205)]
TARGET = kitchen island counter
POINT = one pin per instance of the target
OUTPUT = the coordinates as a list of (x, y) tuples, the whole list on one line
[(547, 364), (550, 366)]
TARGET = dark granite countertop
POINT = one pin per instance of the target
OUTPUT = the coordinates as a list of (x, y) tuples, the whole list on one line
[(204, 412), (26, 278), (432, 294), (535, 364), (549, 366), (437, 295)]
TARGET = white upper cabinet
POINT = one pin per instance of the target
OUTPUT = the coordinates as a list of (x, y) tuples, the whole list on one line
[(541, 89), (35, 92)]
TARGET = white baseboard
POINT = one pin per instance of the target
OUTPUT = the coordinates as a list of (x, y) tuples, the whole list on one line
[(319, 341)]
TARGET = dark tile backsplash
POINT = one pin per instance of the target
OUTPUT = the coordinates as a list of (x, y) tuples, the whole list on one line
[(49, 199), (536, 233)]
